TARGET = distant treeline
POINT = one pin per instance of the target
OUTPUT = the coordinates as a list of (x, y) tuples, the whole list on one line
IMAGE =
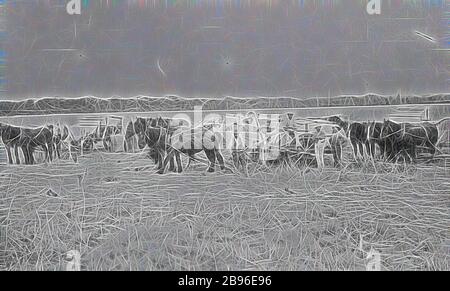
[(174, 103)]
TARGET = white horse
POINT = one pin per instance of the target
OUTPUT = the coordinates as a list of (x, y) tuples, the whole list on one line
[(328, 136)]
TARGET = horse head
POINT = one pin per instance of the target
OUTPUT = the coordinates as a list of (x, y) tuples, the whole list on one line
[(376, 128), (162, 122), (65, 133), (130, 131), (51, 128), (389, 129), (338, 121), (140, 125)]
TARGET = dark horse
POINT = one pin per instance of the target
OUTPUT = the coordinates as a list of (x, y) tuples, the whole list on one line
[(155, 133), (32, 138), (404, 138), (109, 131), (374, 138), (362, 135), (129, 143), (58, 137), (10, 137), (159, 137), (355, 131)]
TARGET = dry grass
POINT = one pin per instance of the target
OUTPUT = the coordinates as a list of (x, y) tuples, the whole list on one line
[(122, 218)]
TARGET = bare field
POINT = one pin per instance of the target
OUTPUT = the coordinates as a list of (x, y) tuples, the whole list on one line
[(121, 216)]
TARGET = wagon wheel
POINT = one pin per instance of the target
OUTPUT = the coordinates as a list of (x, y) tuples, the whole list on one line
[(306, 151), (291, 156), (107, 145), (287, 146)]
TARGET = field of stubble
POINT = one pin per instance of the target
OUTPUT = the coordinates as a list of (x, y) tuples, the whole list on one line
[(121, 216)]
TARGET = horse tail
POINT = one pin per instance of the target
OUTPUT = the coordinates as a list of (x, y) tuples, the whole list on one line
[(442, 120), (369, 133), (65, 133)]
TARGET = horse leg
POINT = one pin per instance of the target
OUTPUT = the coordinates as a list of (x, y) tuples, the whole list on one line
[(25, 154), (355, 150), (8, 153), (413, 154), (432, 148), (321, 161), (179, 164), (30, 150), (191, 158), (164, 161), (31, 153), (373, 149), (73, 152), (161, 160), (391, 152), (394, 153), (58, 150), (172, 165), (155, 156), (369, 149), (236, 159), (242, 160), (382, 149), (52, 151), (47, 153), (333, 152), (361, 150), (319, 151), (387, 149), (219, 158), (16, 153), (337, 154), (211, 154)]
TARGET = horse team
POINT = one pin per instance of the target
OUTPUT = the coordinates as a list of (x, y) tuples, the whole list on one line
[(394, 141), (29, 140)]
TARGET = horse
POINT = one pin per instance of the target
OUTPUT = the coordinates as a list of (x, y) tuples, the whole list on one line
[(328, 137), (142, 124), (106, 138), (357, 132), (10, 138), (395, 142), (59, 136), (32, 138), (163, 138), (130, 138), (373, 138), (79, 146), (404, 138), (154, 132)]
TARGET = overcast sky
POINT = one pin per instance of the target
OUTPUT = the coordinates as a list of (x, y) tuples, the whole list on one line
[(204, 51)]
